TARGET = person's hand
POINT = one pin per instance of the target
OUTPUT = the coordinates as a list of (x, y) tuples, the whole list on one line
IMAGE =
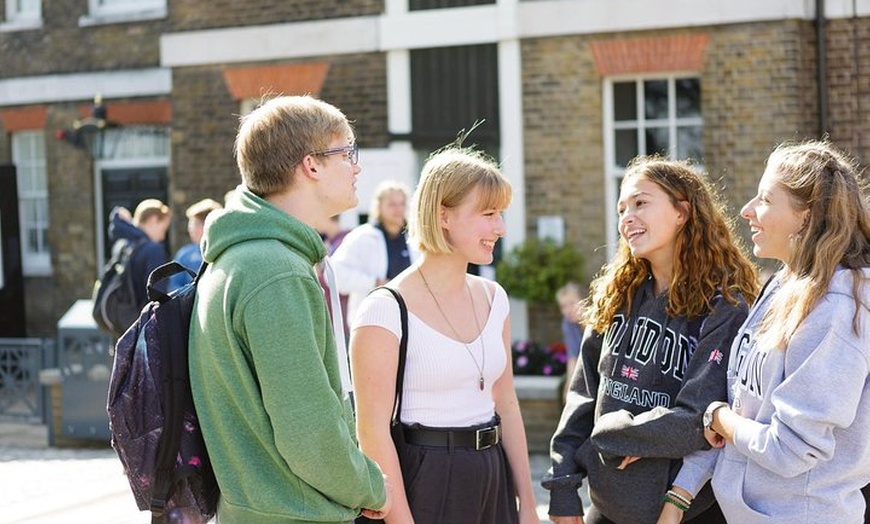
[(714, 439), (626, 461), (379, 514), (670, 514), (574, 519)]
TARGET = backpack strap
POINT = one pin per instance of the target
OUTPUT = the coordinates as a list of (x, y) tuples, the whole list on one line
[(165, 271), (403, 352), (176, 385)]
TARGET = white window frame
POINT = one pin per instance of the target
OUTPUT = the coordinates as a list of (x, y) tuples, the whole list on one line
[(34, 263), (613, 172), (18, 19), (100, 12)]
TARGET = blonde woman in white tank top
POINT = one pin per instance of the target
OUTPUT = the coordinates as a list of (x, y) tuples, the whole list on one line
[(466, 457)]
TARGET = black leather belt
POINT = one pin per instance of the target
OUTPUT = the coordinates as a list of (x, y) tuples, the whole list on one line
[(479, 439)]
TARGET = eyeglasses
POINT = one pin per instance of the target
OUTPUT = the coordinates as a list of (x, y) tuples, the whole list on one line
[(352, 153)]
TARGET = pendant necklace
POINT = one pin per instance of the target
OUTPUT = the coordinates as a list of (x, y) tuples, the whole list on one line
[(480, 367)]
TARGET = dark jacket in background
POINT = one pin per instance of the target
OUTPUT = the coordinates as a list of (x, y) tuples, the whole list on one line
[(147, 256)]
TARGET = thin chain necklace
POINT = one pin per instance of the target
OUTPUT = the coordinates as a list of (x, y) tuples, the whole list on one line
[(480, 367)]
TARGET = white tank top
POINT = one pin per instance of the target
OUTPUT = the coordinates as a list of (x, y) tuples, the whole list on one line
[(441, 380)]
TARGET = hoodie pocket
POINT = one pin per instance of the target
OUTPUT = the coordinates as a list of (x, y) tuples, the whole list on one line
[(730, 487), (631, 495)]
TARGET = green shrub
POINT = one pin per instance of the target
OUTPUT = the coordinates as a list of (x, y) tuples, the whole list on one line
[(535, 270)]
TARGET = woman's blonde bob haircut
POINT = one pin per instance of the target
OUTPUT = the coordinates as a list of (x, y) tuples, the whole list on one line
[(447, 178)]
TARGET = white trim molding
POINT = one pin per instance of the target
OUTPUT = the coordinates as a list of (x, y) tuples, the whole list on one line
[(270, 42), (83, 86)]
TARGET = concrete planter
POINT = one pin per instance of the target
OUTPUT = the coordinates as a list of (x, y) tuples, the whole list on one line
[(541, 405)]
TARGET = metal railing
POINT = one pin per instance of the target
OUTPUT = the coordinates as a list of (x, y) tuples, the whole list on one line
[(22, 397)]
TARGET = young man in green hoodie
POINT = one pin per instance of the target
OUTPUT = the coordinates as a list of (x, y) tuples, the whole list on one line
[(268, 386)]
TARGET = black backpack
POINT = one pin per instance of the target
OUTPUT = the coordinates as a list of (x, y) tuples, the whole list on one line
[(152, 419), (114, 296)]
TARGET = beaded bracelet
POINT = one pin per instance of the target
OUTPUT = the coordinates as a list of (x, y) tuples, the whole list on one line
[(676, 503), (679, 497)]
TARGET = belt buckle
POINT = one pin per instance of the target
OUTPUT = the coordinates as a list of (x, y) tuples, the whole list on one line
[(482, 439)]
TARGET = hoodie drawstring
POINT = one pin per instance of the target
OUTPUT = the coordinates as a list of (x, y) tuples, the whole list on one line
[(337, 327)]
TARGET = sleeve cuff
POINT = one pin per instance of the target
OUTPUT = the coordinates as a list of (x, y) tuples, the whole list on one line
[(565, 502)]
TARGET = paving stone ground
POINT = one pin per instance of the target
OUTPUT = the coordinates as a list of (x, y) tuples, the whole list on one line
[(44, 485)]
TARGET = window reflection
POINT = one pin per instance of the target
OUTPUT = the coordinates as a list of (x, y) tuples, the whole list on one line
[(657, 141), (626, 146), (690, 143), (688, 97), (624, 101), (655, 94)]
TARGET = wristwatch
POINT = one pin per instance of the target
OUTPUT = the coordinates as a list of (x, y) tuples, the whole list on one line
[(707, 420)]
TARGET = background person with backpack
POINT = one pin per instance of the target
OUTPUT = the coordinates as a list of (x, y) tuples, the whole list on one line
[(137, 249), (270, 391), (148, 229)]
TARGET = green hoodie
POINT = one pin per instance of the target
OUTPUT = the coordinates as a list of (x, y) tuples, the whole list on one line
[(265, 377)]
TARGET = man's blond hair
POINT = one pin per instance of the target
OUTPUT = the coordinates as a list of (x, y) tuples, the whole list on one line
[(150, 207)]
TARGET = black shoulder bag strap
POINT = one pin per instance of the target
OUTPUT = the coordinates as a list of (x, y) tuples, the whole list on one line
[(397, 432), (395, 422)]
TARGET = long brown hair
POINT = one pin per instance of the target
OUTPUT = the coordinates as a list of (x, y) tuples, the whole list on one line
[(707, 255), (825, 182)]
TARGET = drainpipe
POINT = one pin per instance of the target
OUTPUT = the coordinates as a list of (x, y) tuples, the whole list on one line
[(858, 132), (822, 69)]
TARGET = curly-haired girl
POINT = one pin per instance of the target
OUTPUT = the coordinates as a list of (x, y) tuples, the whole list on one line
[(660, 317)]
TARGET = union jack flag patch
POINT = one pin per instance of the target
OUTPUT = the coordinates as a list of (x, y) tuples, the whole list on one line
[(716, 356), (630, 372)]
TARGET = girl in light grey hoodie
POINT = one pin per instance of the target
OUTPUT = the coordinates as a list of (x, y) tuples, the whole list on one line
[(796, 434)]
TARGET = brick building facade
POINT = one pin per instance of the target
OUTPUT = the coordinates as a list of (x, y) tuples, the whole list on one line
[(722, 85)]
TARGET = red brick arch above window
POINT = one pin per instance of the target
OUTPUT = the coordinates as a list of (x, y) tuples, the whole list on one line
[(650, 55), (291, 79)]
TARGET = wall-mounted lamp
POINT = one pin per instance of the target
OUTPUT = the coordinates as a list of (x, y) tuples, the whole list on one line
[(89, 134)]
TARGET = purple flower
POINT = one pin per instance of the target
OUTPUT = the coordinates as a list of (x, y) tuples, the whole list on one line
[(548, 369), (522, 361)]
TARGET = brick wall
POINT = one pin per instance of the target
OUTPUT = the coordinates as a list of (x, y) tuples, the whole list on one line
[(563, 143), (61, 46), (358, 85), (758, 89), (71, 234), (205, 119), (848, 78), (201, 14)]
